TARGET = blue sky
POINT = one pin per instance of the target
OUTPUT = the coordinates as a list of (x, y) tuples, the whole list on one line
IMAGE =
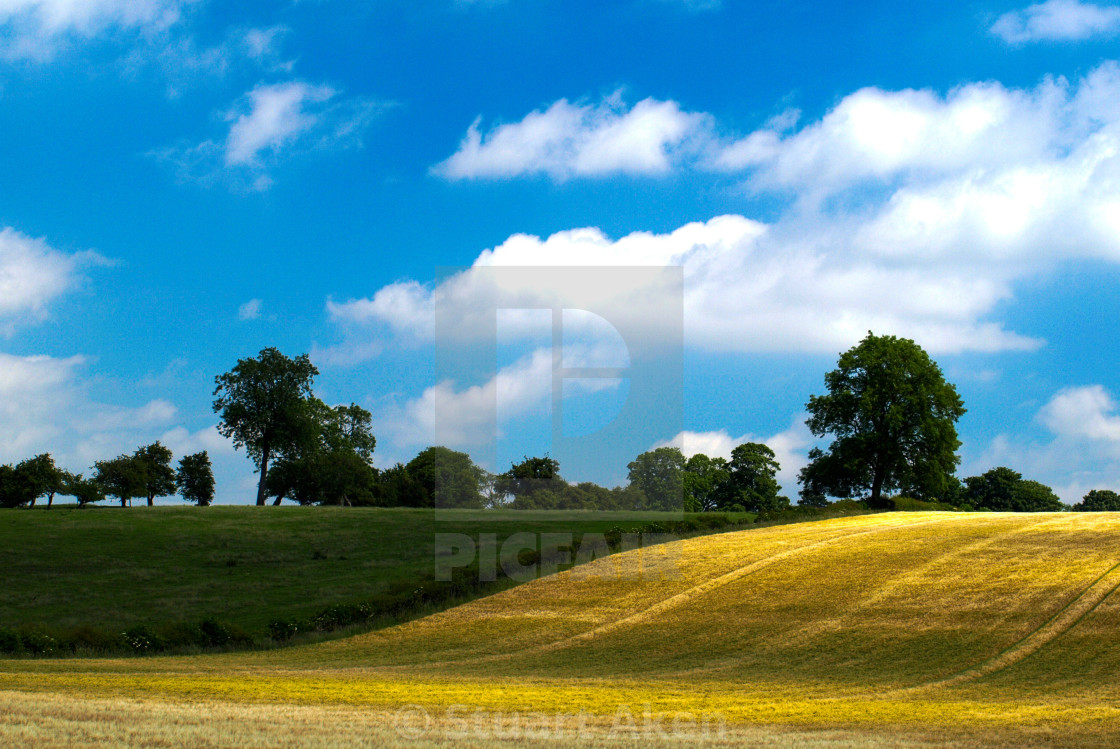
[(184, 182)]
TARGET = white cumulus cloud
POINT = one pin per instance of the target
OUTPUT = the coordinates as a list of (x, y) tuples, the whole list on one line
[(272, 117), (33, 274), (580, 139), (1081, 451), (748, 287), (1087, 412), (250, 310), (471, 415), (270, 124), (1057, 20), (45, 406), (37, 28), (790, 448)]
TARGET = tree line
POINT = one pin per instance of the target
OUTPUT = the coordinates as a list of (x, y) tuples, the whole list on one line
[(887, 407), (145, 474)]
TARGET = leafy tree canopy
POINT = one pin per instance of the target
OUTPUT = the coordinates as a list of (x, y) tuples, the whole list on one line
[(753, 478), (122, 477), (396, 487), (1099, 500), (529, 476), (17, 487), (659, 474), (43, 477), (449, 478), (707, 483), (154, 463), (1004, 490), (195, 479), (332, 461), (893, 419), (263, 406)]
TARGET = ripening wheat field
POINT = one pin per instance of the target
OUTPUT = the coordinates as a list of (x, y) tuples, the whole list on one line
[(900, 629)]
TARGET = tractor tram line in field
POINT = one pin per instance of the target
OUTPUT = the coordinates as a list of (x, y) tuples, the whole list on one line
[(1061, 622)]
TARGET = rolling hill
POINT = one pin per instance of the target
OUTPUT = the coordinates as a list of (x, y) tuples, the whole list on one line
[(104, 570), (898, 629)]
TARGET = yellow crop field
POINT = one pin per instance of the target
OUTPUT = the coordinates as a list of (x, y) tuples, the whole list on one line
[(899, 629)]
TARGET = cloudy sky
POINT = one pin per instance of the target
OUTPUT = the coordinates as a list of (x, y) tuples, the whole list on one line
[(183, 183)]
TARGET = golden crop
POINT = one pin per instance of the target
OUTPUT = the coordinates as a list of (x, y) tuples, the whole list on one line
[(920, 624)]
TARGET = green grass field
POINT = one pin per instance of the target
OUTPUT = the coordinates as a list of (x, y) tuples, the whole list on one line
[(901, 629), (109, 569)]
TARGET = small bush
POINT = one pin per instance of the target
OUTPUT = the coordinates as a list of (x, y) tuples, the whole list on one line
[(38, 642), (908, 504), (283, 630), (141, 639), (528, 557), (214, 633), (180, 635), (85, 637), (9, 641)]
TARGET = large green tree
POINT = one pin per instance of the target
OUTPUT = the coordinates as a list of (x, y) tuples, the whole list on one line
[(84, 490), (122, 477), (263, 405), (1004, 490), (45, 479), (396, 487), (1099, 500), (531, 475), (332, 464), (659, 474), (195, 479), (17, 487), (892, 416), (706, 483), (449, 478), (154, 461), (753, 478)]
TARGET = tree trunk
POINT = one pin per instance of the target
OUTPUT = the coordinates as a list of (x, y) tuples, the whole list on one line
[(277, 502), (264, 474), (50, 500), (151, 502), (33, 501), (122, 501), (876, 487)]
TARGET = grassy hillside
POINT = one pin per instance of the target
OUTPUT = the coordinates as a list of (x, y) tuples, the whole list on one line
[(110, 569), (955, 628)]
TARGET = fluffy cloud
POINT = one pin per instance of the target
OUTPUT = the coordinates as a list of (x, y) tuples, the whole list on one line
[(913, 214), (1057, 20), (45, 407), (748, 287), (250, 310), (447, 414), (1084, 413), (568, 140), (36, 28), (790, 448), (1081, 450), (919, 136), (269, 124), (32, 275), (271, 117), (182, 441), (466, 416), (263, 46)]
